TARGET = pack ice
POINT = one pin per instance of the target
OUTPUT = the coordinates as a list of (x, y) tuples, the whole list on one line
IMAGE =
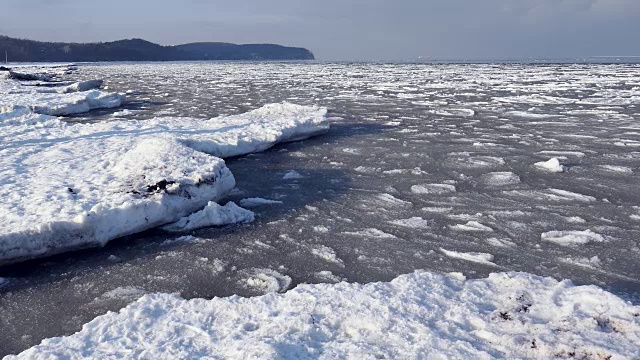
[(422, 315), (71, 185)]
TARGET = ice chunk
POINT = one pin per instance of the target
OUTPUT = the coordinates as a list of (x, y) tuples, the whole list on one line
[(500, 178), (567, 238), (435, 189), (552, 165), (507, 315), (472, 226), (482, 258), (371, 233), (292, 175), (326, 253), (212, 215), (414, 222), (256, 201), (81, 86), (617, 169), (265, 280)]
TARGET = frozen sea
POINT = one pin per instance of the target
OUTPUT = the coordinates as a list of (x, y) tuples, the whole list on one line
[(471, 168)]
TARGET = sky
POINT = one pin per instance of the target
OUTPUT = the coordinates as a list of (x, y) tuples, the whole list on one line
[(347, 29)]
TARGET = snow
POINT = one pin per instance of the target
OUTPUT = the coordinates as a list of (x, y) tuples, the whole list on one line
[(567, 238), (419, 315), (551, 165), (71, 185), (212, 215)]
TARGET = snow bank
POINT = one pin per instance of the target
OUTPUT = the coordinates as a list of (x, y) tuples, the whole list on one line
[(212, 215), (420, 315), (70, 185), (552, 165), (572, 237)]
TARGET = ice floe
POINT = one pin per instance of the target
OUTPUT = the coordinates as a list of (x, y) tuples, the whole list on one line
[(423, 314), (567, 238), (72, 185), (500, 178), (414, 223)]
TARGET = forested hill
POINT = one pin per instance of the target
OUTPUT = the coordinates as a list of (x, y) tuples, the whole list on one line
[(20, 50)]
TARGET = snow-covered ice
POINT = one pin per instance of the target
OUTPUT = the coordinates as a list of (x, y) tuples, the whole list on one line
[(68, 186), (423, 314)]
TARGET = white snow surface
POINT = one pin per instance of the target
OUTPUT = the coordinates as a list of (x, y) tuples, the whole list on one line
[(213, 214), (71, 185), (419, 315)]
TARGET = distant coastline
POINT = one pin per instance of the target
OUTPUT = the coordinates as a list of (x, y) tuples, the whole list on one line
[(23, 50)]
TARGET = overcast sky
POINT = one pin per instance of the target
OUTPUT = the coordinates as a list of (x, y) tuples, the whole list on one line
[(347, 29)]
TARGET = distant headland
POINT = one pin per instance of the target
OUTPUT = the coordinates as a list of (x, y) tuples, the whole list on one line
[(21, 50)]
